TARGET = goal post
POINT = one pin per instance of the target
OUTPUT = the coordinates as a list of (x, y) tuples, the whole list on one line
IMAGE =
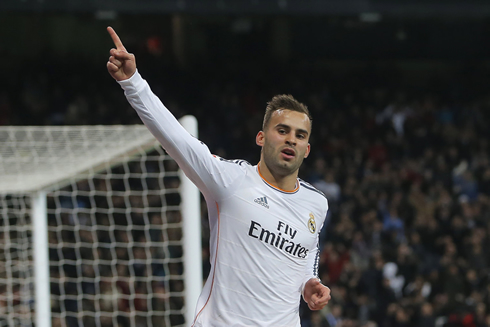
[(98, 227), (192, 231), (41, 259)]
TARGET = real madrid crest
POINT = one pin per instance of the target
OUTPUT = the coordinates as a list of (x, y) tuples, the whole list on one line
[(312, 224)]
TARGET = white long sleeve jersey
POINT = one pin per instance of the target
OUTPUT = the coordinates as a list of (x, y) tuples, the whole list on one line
[(264, 240)]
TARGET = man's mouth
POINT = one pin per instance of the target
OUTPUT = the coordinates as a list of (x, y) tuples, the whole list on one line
[(288, 153)]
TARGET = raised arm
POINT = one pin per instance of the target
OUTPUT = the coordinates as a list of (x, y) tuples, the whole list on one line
[(212, 176)]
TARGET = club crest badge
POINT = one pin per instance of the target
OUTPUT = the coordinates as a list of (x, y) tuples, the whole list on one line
[(312, 224)]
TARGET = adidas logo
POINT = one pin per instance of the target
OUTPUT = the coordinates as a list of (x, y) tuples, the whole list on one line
[(262, 201)]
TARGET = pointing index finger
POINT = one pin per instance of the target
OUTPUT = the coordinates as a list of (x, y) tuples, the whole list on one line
[(115, 39)]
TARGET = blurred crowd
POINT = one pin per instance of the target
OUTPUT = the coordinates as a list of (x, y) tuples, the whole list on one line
[(408, 188), (405, 168)]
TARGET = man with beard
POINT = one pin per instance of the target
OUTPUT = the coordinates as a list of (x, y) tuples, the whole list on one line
[(264, 220)]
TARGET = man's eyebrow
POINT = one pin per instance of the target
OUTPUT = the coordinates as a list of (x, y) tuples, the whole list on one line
[(283, 126), (289, 127)]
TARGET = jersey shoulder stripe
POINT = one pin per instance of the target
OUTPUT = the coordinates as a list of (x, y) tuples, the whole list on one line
[(317, 261), (311, 187), (235, 161)]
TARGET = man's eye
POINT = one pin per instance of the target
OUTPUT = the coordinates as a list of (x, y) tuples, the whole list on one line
[(300, 136), (281, 131)]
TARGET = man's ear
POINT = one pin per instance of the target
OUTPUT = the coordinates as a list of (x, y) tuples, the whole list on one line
[(259, 139), (307, 151)]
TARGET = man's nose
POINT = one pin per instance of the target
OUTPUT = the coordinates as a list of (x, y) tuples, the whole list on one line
[(291, 140)]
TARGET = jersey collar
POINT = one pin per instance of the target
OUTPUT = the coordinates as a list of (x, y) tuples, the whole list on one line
[(275, 187)]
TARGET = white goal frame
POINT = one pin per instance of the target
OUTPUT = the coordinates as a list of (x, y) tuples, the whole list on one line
[(26, 171)]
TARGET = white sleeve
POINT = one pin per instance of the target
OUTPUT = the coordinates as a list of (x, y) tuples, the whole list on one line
[(312, 266), (211, 175), (313, 261)]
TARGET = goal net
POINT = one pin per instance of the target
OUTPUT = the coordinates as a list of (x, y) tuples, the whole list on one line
[(95, 229)]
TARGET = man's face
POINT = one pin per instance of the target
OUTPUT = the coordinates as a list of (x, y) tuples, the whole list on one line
[(285, 141)]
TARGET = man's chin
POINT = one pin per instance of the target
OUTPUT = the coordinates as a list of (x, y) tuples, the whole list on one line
[(288, 167), (283, 167)]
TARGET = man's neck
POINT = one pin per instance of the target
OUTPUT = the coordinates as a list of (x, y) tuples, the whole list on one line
[(286, 183)]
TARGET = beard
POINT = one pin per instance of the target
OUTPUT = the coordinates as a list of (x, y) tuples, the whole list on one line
[(277, 165)]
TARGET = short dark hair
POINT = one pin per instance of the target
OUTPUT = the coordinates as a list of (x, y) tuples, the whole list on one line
[(284, 101)]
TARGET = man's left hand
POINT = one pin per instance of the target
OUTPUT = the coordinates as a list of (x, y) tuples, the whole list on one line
[(316, 294)]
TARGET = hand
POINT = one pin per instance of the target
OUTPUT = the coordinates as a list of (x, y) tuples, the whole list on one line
[(316, 294), (121, 64)]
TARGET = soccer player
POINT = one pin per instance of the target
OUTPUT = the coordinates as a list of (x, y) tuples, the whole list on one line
[(264, 220)]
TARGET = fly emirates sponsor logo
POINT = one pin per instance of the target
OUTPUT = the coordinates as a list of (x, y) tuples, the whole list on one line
[(281, 239)]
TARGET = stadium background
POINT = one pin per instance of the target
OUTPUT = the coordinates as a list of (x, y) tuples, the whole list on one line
[(399, 95)]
